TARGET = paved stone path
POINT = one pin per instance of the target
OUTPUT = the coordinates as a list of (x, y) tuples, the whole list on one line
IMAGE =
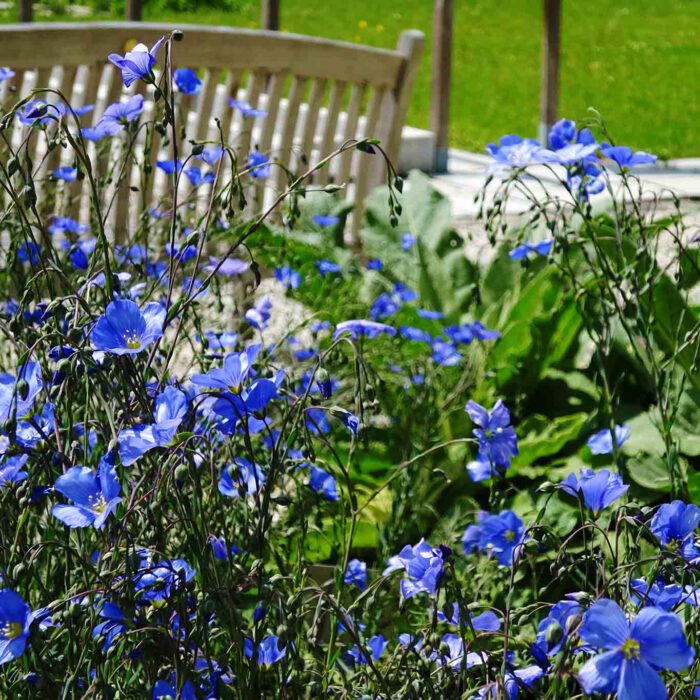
[(466, 178)]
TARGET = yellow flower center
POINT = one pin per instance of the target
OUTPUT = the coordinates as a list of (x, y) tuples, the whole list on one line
[(10, 631), (510, 535), (630, 648), (133, 343), (98, 504)]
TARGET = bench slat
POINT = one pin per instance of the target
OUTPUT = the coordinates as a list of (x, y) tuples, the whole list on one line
[(314, 91), (284, 153)]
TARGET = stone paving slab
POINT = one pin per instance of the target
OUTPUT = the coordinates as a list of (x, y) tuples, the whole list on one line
[(467, 174)]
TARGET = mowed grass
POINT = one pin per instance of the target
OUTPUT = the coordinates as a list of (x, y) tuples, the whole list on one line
[(637, 63)]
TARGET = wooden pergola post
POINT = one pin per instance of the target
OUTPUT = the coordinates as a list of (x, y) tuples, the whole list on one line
[(134, 10), (549, 89), (270, 15), (25, 10), (441, 73)]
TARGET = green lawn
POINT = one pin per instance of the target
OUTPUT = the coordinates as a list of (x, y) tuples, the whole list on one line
[(637, 62)]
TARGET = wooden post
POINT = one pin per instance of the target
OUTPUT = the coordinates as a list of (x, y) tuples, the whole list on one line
[(549, 89), (270, 18), (25, 10), (441, 77), (134, 10)]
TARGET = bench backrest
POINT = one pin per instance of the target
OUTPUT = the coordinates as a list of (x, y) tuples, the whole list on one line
[(317, 94)]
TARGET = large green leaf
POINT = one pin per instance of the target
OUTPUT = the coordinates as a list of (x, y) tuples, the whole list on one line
[(542, 436), (436, 265), (539, 331), (675, 327), (687, 423), (645, 451)]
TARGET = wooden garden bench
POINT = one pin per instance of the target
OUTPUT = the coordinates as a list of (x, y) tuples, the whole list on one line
[(317, 94)]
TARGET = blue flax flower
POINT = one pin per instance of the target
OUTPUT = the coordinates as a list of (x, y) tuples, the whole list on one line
[(562, 134), (482, 333), (374, 264), (377, 646), (266, 653), (356, 574), (15, 619), (155, 583), (211, 155), (324, 221), (126, 330), (40, 112), (111, 627), (14, 402), (601, 443), (384, 305), (512, 682), (321, 482), (597, 489), (367, 329), (674, 524), (30, 433), (289, 277), (119, 114), (485, 622), (515, 152), (11, 470), (220, 549), (228, 267), (625, 157), (430, 314), (444, 353), (554, 630), (6, 74), (258, 165), (241, 478), (633, 653), (170, 166), (423, 566), (349, 420), (328, 267), (97, 133), (407, 241), (169, 411), (232, 408), (480, 469), (187, 81), (28, 253), (501, 535), (451, 654), (80, 252), (523, 251), (259, 316), (415, 334), (495, 435), (656, 594), (95, 495), (198, 178), (571, 147), (65, 224), (136, 64), (66, 172), (245, 108), (233, 375), (163, 690)]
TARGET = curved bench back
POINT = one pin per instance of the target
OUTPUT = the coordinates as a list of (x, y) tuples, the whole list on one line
[(317, 94)]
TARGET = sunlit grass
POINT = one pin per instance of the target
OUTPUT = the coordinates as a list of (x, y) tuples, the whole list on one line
[(637, 63)]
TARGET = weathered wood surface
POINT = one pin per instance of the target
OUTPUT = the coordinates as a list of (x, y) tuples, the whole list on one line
[(317, 94)]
